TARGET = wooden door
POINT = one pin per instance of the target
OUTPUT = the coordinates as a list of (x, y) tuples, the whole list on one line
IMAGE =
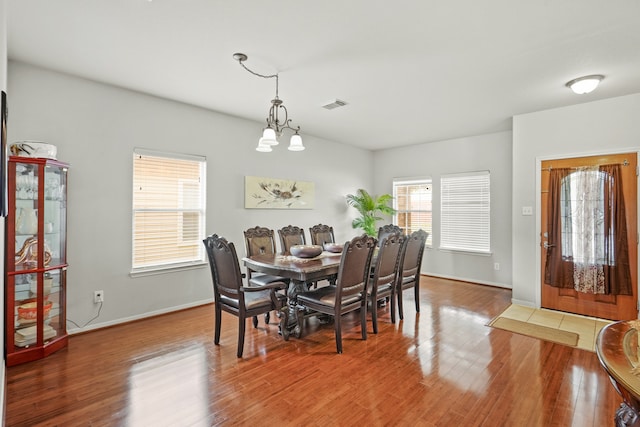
[(615, 307)]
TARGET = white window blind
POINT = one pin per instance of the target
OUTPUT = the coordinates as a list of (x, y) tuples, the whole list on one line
[(412, 201), (168, 210), (465, 212)]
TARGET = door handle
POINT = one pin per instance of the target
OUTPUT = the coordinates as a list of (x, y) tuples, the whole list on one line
[(547, 245)]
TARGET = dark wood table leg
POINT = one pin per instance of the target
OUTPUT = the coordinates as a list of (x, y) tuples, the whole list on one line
[(283, 314), (293, 324)]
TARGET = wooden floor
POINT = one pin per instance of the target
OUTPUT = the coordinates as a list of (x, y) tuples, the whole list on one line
[(442, 367)]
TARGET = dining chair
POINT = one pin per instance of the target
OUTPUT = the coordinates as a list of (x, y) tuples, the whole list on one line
[(382, 283), (350, 292), (289, 236), (231, 296), (387, 229), (321, 234), (409, 273), (260, 240)]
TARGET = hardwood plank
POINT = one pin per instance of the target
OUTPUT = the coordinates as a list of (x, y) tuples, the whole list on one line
[(440, 367)]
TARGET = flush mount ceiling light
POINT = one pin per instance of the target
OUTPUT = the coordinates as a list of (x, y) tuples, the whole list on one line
[(585, 84), (275, 124)]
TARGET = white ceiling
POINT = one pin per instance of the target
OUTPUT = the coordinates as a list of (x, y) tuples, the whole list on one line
[(411, 71)]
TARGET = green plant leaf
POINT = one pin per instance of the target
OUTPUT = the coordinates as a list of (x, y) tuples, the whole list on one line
[(368, 206)]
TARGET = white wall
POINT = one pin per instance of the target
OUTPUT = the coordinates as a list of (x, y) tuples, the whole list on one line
[(485, 152), (610, 125), (96, 127)]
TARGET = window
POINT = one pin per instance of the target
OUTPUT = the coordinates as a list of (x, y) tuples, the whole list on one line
[(583, 210), (168, 210), (465, 212), (412, 201)]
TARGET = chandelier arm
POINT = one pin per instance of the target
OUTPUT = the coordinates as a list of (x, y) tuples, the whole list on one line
[(286, 117), (274, 121), (286, 126)]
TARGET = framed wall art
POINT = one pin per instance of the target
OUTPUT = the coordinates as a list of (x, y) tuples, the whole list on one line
[(274, 193)]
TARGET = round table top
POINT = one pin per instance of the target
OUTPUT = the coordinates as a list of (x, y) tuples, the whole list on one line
[(618, 349)]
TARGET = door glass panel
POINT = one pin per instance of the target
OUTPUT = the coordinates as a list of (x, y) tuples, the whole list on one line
[(55, 211), (26, 215)]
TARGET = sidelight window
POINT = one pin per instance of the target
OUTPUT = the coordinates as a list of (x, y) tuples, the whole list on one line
[(412, 201)]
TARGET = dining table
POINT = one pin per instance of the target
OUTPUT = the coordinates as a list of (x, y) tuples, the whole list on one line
[(301, 272), (618, 349)]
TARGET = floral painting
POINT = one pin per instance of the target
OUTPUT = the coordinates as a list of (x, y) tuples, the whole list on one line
[(273, 193)]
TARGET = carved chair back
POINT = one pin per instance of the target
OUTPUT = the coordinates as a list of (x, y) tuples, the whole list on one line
[(289, 236), (387, 229), (259, 240), (321, 234)]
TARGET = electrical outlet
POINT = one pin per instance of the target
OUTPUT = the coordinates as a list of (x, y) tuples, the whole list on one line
[(496, 266), (98, 297)]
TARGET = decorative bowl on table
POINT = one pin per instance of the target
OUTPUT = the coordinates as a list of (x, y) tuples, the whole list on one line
[(336, 248), (305, 251)]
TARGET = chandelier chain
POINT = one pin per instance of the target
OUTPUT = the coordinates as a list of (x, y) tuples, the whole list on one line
[(264, 76)]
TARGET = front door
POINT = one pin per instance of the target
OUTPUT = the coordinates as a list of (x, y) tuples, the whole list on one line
[(615, 307)]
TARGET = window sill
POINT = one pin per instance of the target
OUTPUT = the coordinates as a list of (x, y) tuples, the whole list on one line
[(152, 271), (465, 252)]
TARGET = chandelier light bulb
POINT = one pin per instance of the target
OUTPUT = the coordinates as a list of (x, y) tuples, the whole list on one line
[(585, 84), (263, 148), (268, 137), (296, 143)]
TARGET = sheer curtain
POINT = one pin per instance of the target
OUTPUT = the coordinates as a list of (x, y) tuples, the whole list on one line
[(587, 233), (587, 221)]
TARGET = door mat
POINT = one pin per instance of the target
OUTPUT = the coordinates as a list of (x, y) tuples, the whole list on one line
[(536, 331)]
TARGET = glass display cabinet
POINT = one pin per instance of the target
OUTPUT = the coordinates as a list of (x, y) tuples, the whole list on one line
[(36, 259)]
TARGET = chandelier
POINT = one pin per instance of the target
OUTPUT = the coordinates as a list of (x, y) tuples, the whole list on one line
[(278, 119)]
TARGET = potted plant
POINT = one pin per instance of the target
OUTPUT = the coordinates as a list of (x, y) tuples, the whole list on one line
[(369, 207)]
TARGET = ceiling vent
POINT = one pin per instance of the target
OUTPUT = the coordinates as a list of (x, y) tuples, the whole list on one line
[(334, 104)]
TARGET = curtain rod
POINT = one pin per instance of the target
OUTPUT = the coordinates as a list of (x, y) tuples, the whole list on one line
[(624, 163)]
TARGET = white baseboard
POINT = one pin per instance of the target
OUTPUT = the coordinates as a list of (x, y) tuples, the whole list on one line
[(464, 279), (138, 317)]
